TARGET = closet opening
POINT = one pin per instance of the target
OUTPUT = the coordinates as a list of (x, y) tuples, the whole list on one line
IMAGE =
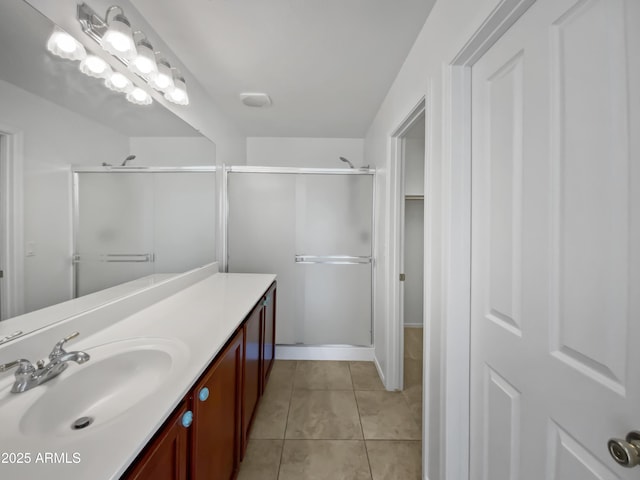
[(407, 282)]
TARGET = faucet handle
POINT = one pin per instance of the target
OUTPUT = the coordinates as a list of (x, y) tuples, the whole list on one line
[(58, 350), (24, 366)]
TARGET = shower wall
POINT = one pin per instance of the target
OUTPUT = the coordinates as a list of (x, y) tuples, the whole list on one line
[(172, 151), (304, 152), (315, 232)]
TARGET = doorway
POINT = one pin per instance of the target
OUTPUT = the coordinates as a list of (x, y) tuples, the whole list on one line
[(407, 268), (412, 255), (11, 223)]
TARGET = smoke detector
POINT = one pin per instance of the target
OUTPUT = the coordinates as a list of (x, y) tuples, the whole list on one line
[(255, 99)]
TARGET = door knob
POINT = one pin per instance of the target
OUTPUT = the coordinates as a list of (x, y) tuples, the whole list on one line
[(626, 452)]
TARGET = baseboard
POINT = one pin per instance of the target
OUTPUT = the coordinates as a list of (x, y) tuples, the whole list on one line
[(380, 372), (330, 352), (413, 325)]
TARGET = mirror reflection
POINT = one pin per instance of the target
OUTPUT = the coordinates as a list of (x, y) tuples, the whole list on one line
[(54, 121)]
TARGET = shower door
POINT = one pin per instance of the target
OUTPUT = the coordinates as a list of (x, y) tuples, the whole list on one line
[(113, 230), (314, 230), (131, 224)]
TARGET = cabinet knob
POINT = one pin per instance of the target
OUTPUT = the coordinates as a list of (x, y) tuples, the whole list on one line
[(204, 394), (266, 301), (187, 419)]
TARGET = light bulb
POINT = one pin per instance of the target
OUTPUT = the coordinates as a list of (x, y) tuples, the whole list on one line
[(118, 82), (139, 97), (178, 94), (144, 64), (95, 67), (118, 39), (163, 80), (63, 45), (66, 43)]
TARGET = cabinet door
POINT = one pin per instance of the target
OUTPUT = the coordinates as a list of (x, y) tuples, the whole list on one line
[(215, 452), (269, 335), (252, 370), (165, 458)]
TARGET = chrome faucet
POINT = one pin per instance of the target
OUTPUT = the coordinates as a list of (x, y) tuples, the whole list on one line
[(29, 376)]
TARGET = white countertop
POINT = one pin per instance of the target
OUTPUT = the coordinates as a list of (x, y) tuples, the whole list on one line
[(37, 319), (201, 318)]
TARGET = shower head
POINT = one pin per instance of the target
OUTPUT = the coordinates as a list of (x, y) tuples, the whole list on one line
[(347, 161), (128, 159)]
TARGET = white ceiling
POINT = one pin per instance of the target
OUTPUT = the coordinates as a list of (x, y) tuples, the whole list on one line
[(327, 64)]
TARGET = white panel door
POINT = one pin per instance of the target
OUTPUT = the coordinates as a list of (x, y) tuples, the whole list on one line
[(555, 368)]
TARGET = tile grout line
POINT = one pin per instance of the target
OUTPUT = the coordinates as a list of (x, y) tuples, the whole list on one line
[(364, 440), (286, 423)]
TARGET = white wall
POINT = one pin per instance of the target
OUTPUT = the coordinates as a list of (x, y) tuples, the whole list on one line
[(172, 151), (201, 113), (413, 262), (54, 138), (449, 26), (305, 152), (414, 165)]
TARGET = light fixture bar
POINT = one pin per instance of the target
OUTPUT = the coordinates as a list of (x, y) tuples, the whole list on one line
[(157, 74), (91, 23)]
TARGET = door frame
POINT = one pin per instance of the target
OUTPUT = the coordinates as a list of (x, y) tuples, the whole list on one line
[(395, 374), (457, 234), (12, 221)]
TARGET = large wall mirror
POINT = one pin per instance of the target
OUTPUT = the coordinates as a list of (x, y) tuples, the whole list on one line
[(65, 121)]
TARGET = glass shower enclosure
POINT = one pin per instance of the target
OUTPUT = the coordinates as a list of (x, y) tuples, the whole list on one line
[(133, 222), (314, 229)]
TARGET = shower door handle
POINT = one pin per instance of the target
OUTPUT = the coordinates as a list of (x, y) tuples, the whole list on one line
[(332, 259)]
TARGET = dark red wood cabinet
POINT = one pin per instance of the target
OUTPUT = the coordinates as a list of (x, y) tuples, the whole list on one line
[(165, 458), (268, 333), (206, 436), (217, 413), (252, 371)]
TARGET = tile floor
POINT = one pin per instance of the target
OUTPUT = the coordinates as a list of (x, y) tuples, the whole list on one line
[(332, 421), (413, 368)]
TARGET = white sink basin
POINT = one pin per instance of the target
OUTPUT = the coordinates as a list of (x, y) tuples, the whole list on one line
[(118, 377)]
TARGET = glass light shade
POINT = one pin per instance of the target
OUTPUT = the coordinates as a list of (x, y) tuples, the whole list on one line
[(139, 97), (178, 94), (144, 63), (118, 82), (118, 39), (163, 80), (63, 45), (95, 67)]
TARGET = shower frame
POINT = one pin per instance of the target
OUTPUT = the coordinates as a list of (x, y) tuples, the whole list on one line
[(306, 171)]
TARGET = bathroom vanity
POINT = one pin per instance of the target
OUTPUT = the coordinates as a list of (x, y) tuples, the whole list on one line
[(174, 379), (207, 434)]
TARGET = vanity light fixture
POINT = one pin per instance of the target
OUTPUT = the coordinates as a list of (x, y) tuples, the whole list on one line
[(63, 45), (96, 67), (118, 37), (134, 50), (139, 97)]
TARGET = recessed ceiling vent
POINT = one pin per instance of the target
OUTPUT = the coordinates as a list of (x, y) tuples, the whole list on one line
[(255, 99)]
